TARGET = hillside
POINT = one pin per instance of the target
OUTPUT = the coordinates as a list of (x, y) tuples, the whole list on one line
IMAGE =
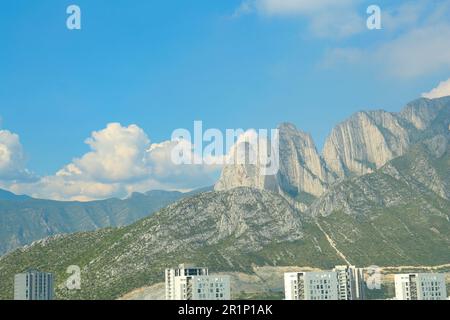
[(387, 218), (400, 214), (227, 231), (24, 219)]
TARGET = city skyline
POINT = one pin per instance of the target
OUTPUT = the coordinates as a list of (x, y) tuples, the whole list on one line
[(190, 282)]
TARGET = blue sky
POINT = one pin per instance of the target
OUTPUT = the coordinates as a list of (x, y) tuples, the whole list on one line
[(160, 65)]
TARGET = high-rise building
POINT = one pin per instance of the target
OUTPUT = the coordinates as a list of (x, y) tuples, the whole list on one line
[(420, 286), (193, 283), (350, 282), (342, 283), (33, 285), (311, 285)]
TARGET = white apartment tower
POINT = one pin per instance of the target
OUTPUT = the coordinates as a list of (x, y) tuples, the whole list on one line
[(350, 282), (342, 283), (193, 283), (311, 285), (420, 286), (33, 285)]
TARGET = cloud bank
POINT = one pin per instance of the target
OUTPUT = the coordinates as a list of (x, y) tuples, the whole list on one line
[(414, 43), (442, 90), (326, 18), (122, 160), (12, 158)]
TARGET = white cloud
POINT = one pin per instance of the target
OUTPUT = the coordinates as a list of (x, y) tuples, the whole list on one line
[(413, 54), (326, 17), (415, 44), (184, 175), (417, 53), (64, 188), (246, 7), (12, 158), (413, 41), (403, 16), (121, 161), (292, 7), (442, 90), (119, 154)]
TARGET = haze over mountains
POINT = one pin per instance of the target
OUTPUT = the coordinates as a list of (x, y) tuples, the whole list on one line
[(377, 194)]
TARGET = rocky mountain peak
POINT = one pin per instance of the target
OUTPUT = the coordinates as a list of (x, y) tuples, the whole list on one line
[(302, 173), (364, 142), (357, 146), (421, 112)]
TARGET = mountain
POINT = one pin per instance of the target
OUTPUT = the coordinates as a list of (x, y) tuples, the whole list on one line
[(385, 201), (24, 219), (228, 230), (391, 217), (422, 172), (302, 177), (369, 139), (6, 195), (359, 145), (399, 213)]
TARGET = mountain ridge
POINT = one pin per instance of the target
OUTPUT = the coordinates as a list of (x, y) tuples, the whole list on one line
[(375, 219), (24, 219), (394, 212), (356, 146), (6, 195)]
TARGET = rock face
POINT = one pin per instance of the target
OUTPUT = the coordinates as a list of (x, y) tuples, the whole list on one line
[(357, 146), (368, 140), (400, 210), (423, 113), (365, 142), (250, 217), (302, 176), (245, 175), (420, 174), (302, 170)]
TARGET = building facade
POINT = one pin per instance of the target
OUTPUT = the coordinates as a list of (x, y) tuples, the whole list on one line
[(311, 285), (193, 283), (342, 283), (33, 285), (420, 286), (351, 285)]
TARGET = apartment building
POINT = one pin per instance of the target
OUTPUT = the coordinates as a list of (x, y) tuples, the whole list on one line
[(320, 285), (351, 285), (341, 283), (33, 285), (420, 286), (193, 283)]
